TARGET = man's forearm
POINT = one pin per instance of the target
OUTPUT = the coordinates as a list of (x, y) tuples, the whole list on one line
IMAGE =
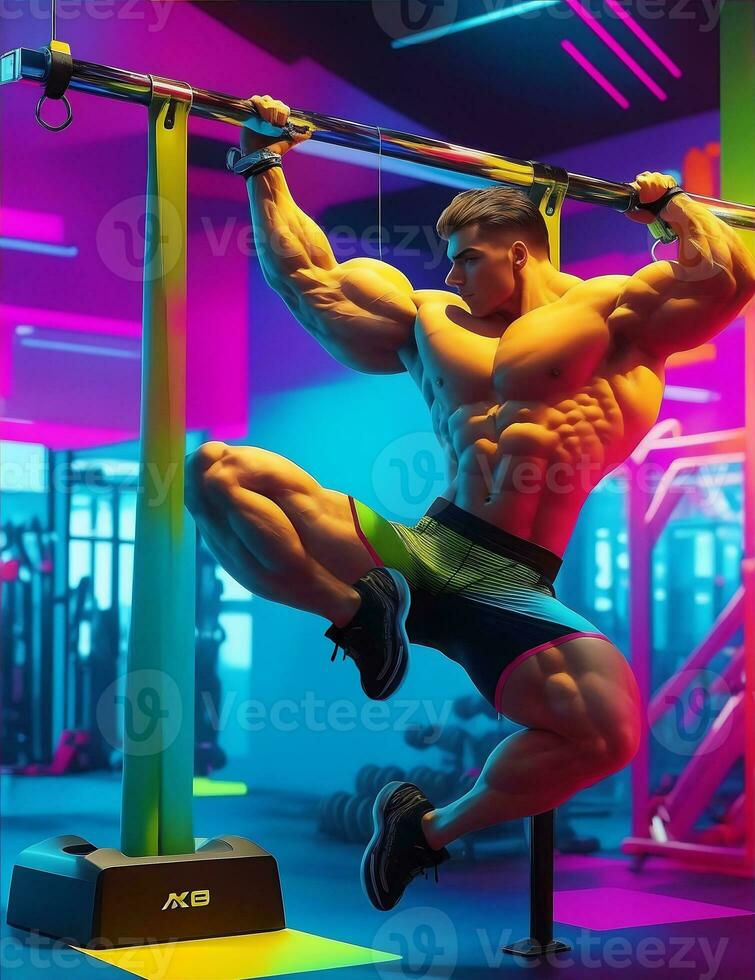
[(288, 241), (708, 247)]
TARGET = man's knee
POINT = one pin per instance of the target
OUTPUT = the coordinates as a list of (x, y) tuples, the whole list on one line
[(612, 747), (206, 456), (198, 468), (215, 472)]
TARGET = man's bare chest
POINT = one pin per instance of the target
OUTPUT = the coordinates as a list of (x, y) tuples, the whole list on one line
[(542, 356)]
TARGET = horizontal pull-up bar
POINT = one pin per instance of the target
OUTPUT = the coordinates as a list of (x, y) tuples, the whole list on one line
[(35, 65)]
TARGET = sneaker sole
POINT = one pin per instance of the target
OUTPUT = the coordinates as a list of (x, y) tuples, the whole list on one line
[(368, 871), (398, 675)]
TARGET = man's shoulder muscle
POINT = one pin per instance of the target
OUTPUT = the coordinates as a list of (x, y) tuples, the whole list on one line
[(601, 292), (433, 306), (421, 297)]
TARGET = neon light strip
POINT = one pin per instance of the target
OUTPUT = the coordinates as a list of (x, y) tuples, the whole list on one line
[(593, 72), (130, 355), (422, 37), (56, 436), (65, 320), (617, 49), (24, 245), (649, 43), (41, 226), (681, 393)]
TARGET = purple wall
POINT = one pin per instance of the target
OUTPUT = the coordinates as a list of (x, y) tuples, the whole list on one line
[(70, 376)]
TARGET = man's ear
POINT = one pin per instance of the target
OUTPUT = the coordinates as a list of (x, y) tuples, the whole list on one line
[(519, 254)]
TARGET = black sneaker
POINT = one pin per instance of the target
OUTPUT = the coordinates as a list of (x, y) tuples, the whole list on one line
[(398, 851), (376, 638)]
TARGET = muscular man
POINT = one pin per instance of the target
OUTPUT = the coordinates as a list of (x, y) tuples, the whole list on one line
[(538, 384)]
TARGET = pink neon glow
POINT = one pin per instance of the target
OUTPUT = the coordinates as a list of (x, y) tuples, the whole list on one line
[(56, 436), (32, 226), (590, 863), (593, 72), (507, 671), (622, 908), (617, 49), (649, 43)]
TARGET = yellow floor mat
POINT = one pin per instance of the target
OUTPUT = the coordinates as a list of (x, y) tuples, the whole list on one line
[(268, 954)]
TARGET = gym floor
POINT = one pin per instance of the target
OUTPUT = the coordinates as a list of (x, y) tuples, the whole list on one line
[(453, 929)]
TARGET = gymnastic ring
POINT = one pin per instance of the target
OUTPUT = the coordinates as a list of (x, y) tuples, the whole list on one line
[(46, 125)]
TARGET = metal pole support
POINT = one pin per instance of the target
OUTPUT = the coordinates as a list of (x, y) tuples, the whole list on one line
[(540, 941)]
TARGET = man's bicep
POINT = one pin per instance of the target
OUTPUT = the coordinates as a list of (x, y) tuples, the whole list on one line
[(663, 309), (361, 312), (372, 304)]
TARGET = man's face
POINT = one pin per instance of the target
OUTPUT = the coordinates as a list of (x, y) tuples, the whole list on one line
[(482, 266)]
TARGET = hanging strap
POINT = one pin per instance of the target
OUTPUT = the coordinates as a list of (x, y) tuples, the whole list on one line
[(59, 74), (156, 813), (548, 191)]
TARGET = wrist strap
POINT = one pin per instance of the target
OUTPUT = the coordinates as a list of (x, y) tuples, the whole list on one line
[(657, 206), (262, 167), (252, 163)]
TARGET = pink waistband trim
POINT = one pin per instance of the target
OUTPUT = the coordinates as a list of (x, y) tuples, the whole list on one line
[(506, 673), (362, 537)]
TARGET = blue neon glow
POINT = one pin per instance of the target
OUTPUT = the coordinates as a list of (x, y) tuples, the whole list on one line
[(131, 355), (422, 37), (680, 393), (44, 248)]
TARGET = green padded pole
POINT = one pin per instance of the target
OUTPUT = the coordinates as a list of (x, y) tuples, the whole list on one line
[(738, 177), (738, 104), (156, 808)]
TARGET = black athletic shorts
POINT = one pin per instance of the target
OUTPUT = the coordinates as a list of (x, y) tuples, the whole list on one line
[(483, 597)]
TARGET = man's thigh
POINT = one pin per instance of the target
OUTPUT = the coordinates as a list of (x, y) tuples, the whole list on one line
[(581, 688), (321, 517)]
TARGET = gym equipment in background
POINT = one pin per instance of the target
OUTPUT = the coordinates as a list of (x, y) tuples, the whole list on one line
[(699, 711), (26, 598), (208, 755)]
